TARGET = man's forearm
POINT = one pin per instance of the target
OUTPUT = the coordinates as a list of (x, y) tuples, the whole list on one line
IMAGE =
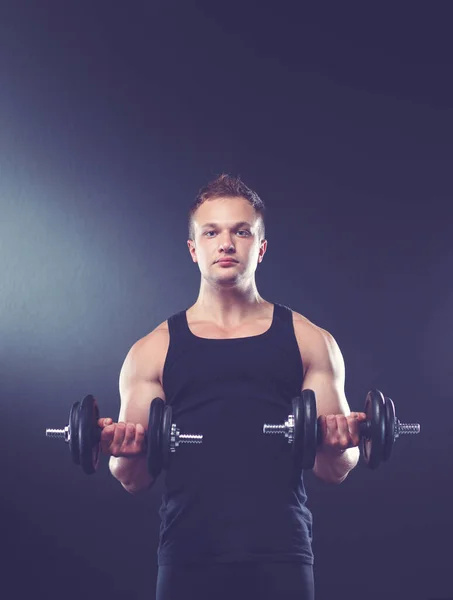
[(334, 468), (132, 473)]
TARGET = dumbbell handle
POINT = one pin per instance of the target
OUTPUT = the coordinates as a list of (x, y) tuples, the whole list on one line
[(279, 429), (180, 438), (190, 438), (59, 434), (287, 429), (400, 428)]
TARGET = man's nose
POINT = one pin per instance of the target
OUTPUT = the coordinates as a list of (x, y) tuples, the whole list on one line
[(226, 243)]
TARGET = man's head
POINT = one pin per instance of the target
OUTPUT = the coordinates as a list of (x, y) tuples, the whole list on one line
[(227, 186), (227, 221)]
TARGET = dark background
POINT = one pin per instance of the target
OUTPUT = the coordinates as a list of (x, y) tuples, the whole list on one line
[(112, 115)]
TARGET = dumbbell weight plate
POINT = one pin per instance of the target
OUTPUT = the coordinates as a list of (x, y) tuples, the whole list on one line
[(310, 428), (154, 437), (89, 435), (166, 437), (298, 441), (74, 433), (305, 430), (373, 433), (390, 418)]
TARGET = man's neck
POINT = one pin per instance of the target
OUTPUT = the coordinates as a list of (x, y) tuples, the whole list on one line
[(227, 307)]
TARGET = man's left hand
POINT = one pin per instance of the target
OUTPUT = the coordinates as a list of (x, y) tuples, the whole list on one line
[(340, 432)]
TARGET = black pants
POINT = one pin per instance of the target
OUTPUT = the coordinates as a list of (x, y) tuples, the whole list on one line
[(236, 581)]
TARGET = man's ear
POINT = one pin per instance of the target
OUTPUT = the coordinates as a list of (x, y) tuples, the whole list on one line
[(192, 250), (262, 252)]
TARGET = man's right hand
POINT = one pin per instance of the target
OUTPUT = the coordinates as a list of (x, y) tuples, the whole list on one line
[(122, 439)]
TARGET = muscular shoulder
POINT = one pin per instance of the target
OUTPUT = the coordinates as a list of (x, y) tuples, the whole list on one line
[(146, 358), (318, 347), (155, 341)]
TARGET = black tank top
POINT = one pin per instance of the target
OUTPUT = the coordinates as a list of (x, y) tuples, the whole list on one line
[(233, 497)]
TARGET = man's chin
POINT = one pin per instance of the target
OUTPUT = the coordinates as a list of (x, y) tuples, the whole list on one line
[(228, 281)]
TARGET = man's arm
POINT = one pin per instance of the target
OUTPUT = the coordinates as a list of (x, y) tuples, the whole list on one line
[(325, 375), (140, 383)]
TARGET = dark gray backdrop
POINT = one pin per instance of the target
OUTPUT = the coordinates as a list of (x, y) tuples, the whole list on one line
[(111, 117)]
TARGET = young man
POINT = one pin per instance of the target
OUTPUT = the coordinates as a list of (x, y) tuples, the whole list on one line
[(234, 522)]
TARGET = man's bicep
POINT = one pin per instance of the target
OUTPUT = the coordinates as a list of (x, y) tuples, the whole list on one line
[(140, 383), (325, 375), (136, 398)]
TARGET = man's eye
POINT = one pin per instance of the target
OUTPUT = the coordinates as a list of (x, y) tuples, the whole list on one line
[(241, 233)]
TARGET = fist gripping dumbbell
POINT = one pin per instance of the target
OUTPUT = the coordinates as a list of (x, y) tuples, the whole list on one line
[(83, 435), (378, 433)]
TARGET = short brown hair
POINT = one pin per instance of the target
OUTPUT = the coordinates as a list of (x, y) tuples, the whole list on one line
[(229, 186)]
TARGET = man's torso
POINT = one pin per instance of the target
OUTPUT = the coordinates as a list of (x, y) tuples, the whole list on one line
[(305, 332)]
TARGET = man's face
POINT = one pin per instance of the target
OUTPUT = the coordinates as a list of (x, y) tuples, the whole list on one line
[(227, 244)]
